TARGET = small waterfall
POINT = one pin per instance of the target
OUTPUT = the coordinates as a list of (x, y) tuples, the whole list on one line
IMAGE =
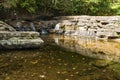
[(18, 25), (43, 31), (32, 27), (57, 29), (57, 26)]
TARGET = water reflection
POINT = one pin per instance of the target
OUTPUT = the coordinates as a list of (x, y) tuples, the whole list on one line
[(52, 62), (90, 47)]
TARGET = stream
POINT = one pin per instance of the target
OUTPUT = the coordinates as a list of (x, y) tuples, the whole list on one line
[(63, 58)]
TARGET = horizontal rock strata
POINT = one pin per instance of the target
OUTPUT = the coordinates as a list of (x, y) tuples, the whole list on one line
[(90, 26), (12, 39)]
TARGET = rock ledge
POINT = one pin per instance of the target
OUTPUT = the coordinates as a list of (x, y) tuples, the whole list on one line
[(11, 39)]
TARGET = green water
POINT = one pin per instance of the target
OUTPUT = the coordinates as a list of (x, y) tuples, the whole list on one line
[(54, 62)]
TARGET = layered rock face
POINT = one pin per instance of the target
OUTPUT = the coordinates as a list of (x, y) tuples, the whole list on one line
[(12, 39), (5, 27), (40, 26), (91, 26)]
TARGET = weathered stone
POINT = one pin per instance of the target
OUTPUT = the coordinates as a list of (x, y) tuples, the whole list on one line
[(93, 26), (5, 27), (37, 25), (69, 27), (19, 40), (7, 34), (18, 43), (12, 39)]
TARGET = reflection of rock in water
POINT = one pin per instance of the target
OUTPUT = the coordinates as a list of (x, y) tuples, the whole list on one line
[(56, 40), (90, 47)]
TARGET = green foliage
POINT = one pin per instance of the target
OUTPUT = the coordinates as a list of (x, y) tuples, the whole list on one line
[(66, 7), (9, 3), (116, 7), (29, 5)]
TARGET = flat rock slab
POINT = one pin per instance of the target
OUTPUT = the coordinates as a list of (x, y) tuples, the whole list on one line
[(12, 39), (16, 43), (19, 40), (22, 34)]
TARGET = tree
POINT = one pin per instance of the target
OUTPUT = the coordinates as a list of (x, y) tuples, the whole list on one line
[(62, 7)]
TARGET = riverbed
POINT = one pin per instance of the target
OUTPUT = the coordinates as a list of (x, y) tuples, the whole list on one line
[(63, 58)]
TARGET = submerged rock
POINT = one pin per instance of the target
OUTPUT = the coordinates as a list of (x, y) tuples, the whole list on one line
[(101, 63), (12, 39)]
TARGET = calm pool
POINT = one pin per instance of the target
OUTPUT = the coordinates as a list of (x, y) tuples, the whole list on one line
[(63, 58)]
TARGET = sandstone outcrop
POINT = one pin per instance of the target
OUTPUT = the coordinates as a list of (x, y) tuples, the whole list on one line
[(46, 26), (101, 27), (12, 39), (5, 27), (91, 26)]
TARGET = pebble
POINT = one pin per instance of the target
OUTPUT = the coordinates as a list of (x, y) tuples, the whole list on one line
[(65, 64), (58, 72), (71, 75), (42, 76), (73, 68), (76, 72), (59, 59), (7, 78), (83, 58)]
